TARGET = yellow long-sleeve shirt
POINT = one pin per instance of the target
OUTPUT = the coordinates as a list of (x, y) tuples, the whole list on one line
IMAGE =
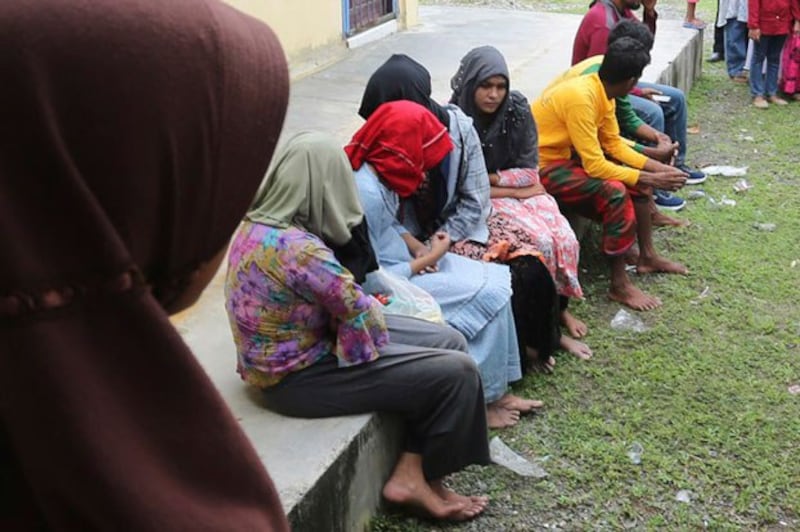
[(576, 114)]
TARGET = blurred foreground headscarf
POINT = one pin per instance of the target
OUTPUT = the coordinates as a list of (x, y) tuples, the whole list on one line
[(134, 135)]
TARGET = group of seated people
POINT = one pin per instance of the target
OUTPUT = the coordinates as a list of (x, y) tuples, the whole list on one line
[(464, 201)]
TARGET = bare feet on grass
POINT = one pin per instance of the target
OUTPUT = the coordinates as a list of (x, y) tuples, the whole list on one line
[(662, 220), (498, 417), (575, 327), (660, 264), (513, 402), (474, 504), (632, 297), (407, 487), (575, 347)]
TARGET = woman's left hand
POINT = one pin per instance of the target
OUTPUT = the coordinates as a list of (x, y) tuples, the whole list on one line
[(530, 191)]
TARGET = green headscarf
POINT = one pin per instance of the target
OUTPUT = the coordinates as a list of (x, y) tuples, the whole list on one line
[(311, 186)]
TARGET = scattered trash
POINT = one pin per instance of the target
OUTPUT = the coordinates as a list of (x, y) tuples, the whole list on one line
[(793, 264), (635, 453), (625, 321), (794, 389), (629, 524), (695, 194), (724, 202), (742, 186), (768, 227), (727, 171), (704, 293), (501, 454), (713, 454), (684, 496), (693, 130), (748, 138)]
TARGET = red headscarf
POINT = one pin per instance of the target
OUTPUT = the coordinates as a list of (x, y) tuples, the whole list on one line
[(402, 140)]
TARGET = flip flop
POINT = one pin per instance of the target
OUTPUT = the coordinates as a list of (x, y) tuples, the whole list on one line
[(694, 26)]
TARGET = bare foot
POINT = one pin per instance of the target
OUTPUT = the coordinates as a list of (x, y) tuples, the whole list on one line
[(634, 298), (543, 367), (498, 417), (660, 264), (575, 327), (473, 504), (414, 492), (518, 403), (576, 347), (661, 220)]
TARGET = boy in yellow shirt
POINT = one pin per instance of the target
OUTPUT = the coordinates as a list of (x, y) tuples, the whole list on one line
[(587, 166)]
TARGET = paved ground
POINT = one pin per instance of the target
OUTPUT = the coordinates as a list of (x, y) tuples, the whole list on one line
[(537, 46)]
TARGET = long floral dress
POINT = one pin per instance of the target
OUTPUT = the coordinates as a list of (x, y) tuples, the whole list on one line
[(518, 227)]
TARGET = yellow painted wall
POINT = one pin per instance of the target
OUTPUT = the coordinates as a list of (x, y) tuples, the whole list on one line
[(301, 25), (305, 26)]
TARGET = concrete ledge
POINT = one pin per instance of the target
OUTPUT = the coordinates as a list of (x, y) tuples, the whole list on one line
[(329, 472), (373, 34)]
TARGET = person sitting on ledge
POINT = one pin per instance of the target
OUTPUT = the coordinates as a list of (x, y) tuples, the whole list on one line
[(670, 114), (577, 128), (319, 346), (390, 155)]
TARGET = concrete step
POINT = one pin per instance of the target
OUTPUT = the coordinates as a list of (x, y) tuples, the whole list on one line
[(330, 471)]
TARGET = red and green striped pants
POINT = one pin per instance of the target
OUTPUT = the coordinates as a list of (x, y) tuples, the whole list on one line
[(606, 201)]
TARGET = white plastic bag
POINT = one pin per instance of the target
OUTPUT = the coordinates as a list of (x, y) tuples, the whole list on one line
[(405, 298)]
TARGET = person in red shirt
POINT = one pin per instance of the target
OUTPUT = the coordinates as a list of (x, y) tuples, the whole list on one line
[(592, 36), (769, 22)]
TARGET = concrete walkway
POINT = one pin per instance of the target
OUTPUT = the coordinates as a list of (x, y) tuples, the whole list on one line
[(329, 472)]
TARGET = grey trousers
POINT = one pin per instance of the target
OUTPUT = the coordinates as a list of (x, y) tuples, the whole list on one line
[(423, 375)]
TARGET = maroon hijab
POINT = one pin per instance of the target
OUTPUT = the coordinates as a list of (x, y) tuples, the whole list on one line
[(134, 135)]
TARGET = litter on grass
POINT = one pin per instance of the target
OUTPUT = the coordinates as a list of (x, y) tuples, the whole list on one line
[(684, 496), (625, 321), (768, 227), (794, 389), (501, 454), (726, 171), (742, 186), (695, 194), (724, 202), (635, 453)]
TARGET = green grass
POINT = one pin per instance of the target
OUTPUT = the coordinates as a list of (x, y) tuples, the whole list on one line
[(704, 390)]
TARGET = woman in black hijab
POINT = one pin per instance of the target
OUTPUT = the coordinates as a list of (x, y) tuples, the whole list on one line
[(135, 133), (505, 125)]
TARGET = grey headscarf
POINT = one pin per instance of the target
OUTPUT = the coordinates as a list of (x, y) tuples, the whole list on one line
[(509, 135)]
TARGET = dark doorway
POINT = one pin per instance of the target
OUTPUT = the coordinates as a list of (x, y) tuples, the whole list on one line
[(365, 13)]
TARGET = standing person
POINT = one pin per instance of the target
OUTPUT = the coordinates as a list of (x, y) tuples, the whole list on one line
[(790, 69), (317, 346), (769, 22), (733, 14), (690, 20), (507, 131), (390, 155), (718, 48), (581, 158), (130, 149), (669, 117), (455, 197)]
